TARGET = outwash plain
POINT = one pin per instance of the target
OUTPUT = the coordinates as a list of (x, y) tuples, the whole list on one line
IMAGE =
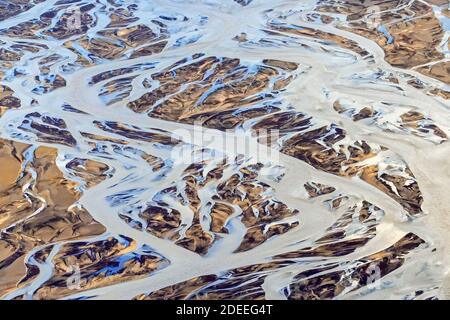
[(130, 149)]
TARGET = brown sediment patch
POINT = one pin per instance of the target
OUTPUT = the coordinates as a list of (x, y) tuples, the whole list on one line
[(243, 2), (428, 88), (415, 42), (316, 147), (98, 137), (28, 29), (242, 37), (411, 122), (402, 189), (7, 100), (320, 35), (116, 90), (48, 129), (91, 172), (100, 263), (363, 113), (414, 29), (114, 43), (149, 50), (315, 189), (38, 206), (8, 55), (212, 287), (74, 20), (418, 122), (109, 150), (11, 160), (155, 162), (336, 202), (11, 8), (131, 36), (48, 83), (334, 249), (285, 122), (230, 119), (120, 72), (446, 12), (161, 222), (62, 28), (285, 65), (131, 132), (170, 85), (314, 17), (103, 48), (439, 71), (307, 147), (441, 93), (48, 61)]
